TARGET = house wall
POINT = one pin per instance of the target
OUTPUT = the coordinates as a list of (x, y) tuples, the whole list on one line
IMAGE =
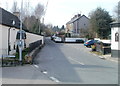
[(69, 28), (3, 40), (115, 46), (80, 23), (83, 23), (4, 31), (75, 27), (13, 32), (119, 43), (32, 38), (0, 40)]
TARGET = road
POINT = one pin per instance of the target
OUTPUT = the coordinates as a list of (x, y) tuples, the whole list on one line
[(63, 63)]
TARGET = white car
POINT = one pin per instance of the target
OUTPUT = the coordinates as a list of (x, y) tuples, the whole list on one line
[(57, 39)]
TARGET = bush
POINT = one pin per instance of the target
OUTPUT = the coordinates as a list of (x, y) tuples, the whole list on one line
[(24, 52)]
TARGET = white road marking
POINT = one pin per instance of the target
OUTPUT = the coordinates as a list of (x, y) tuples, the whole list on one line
[(101, 57), (54, 79), (36, 66), (45, 72), (76, 61), (94, 54)]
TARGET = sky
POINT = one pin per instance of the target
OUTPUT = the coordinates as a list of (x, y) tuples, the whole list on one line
[(59, 12)]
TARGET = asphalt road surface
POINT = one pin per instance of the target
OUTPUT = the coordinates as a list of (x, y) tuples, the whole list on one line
[(63, 63)]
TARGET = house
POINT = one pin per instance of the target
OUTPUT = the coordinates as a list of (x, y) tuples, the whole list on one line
[(115, 39), (9, 28), (77, 23)]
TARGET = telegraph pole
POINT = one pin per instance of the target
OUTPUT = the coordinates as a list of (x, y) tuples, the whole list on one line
[(20, 41)]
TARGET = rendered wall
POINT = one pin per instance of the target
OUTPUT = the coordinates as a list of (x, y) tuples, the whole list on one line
[(4, 31), (4, 40), (115, 45), (32, 38)]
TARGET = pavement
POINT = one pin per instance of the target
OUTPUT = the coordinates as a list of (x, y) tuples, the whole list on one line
[(108, 57), (105, 57)]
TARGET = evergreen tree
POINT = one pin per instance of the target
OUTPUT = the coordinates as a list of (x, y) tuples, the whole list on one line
[(100, 20)]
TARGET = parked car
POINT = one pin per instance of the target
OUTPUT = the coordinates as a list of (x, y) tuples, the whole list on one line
[(58, 39), (79, 41), (74, 40), (90, 42)]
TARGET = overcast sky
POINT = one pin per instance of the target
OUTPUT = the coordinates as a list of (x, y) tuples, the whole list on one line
[(59, 12)]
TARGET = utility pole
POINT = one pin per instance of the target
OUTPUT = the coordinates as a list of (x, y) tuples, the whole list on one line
[(45, 11), (119, 11), (39, 27), (20, 41)]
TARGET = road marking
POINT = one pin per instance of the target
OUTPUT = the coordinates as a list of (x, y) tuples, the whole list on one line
[(76, 61), (36, 66), (54, 79), (94, 54), (45, 72), (101, 57)]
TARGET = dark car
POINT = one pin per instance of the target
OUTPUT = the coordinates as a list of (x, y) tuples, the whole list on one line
[(89, 43)]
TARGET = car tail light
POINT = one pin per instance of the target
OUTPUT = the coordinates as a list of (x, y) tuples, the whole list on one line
[(87, 43)]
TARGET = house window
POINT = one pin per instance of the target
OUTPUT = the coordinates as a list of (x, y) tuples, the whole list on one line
[(116, 37)]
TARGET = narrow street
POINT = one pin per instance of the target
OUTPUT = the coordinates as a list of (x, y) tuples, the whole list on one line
[(63, 63)]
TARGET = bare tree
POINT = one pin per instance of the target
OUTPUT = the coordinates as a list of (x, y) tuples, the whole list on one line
[(15, 7), (25, 10), (30, 22), (39, 12), (117, 12)]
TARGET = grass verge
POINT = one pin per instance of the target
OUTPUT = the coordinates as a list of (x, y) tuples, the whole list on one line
[(97, 53)]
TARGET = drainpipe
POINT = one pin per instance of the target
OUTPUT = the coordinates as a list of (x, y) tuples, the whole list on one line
[(9, 40), (76, 26)]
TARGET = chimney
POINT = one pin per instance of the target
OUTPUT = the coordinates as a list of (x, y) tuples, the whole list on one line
[(75, 16), (79, 15), (17, 14)]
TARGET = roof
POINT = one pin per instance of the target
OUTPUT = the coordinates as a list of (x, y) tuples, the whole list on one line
[(7, 18), (115, 24), (75, 19)]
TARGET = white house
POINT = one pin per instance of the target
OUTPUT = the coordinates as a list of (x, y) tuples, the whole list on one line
[(115, 39), (9, 26)]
